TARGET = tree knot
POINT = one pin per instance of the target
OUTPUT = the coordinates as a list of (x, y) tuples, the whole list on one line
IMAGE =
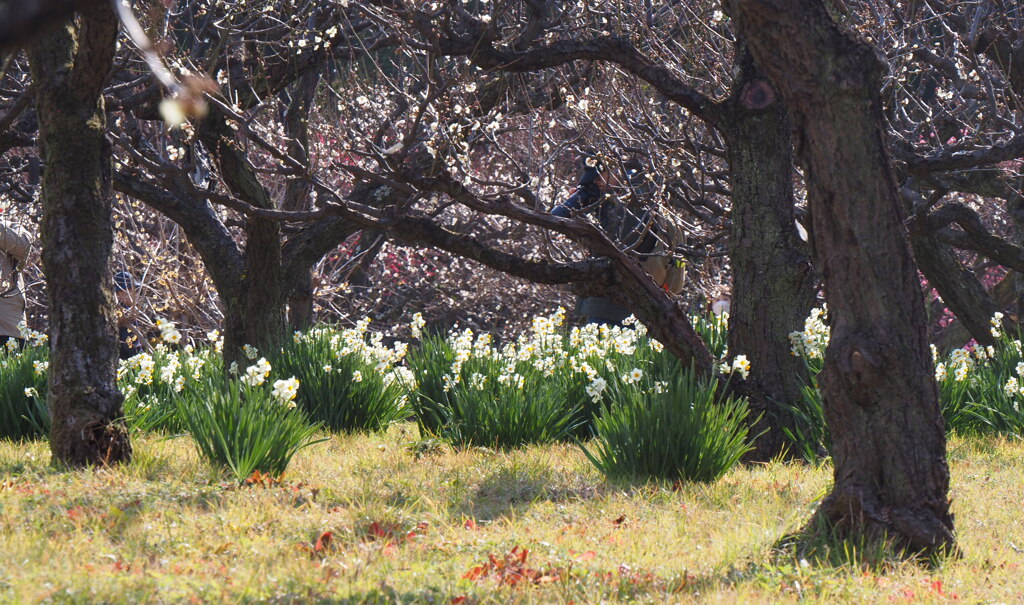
[(757, 94)]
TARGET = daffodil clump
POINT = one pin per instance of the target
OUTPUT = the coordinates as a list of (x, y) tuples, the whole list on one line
[(811, 342), (152, 380), (592, 354), (168, 331), (23, 375), (475, 391), (351, 380), (980, 387)]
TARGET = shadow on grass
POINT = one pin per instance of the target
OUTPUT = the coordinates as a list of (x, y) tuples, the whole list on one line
[(821, 544), (512, 489), (27, 460)]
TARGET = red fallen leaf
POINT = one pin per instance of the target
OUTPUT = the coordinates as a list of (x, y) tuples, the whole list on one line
[(323, 542), (470, 524), (937, 587), (511, 570), (458, 600), (262, 479), (76, 512), (477, 572), (587, 555), (619, 520), (376, 530), (412, 534)]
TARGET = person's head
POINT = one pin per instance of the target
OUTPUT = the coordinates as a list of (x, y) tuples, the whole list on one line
[(593, 170), (124, 288)]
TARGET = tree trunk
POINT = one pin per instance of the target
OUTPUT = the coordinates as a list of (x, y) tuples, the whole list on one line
[(774, 286), (254, 314), (69, 69), (254, 311), (881, 402), (297, 190), (300, 304)]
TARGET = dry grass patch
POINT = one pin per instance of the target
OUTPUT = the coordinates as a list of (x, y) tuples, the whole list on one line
[(364, 519)]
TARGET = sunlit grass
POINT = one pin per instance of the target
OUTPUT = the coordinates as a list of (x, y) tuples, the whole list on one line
[(166, 528)]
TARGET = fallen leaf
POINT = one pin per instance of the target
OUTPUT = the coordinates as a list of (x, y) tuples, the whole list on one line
[(323, 542)]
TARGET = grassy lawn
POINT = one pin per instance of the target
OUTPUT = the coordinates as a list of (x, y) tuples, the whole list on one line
[(408, 528)]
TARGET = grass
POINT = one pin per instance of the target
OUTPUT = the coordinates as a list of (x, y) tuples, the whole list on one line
[(409, 529)]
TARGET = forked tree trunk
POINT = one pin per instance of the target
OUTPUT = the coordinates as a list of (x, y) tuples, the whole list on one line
[(69, 69), (774, 285), (297, 191), (881, 402), (254, 312)]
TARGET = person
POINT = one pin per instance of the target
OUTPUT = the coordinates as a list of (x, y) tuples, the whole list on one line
[(721, 304), (130, 342), (627, 223), (14, 248)]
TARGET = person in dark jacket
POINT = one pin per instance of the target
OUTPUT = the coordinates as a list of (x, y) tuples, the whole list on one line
[(130, 342), (622, 222)]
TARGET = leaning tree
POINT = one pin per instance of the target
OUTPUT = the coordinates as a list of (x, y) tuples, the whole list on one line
[(881, 402)]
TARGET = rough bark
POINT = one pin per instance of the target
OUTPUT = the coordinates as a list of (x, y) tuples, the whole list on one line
[(297, 192), (69, 68), (254, 309), (21, 21), (774, 285), (881, 401)]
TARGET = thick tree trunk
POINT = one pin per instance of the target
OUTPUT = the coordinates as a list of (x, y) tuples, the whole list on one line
[(774, 286), (69, 69), (254, 312), (297, 191), (881, 402)]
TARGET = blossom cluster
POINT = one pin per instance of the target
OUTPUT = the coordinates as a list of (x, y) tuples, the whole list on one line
[(32, 337), (168, 331), (367, 346), (593, 352), (811, 342)]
